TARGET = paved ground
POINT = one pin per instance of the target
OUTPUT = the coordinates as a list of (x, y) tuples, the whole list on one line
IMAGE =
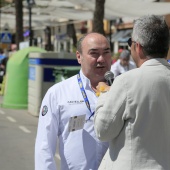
[(17, 139)]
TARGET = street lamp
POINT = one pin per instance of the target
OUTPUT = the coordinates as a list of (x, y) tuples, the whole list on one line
[(30, 5)]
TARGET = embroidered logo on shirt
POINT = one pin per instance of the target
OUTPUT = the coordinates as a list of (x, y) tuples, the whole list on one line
[(75, 102), (44, 110)]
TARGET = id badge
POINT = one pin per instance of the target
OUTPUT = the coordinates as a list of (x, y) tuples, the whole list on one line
[(76, 123)]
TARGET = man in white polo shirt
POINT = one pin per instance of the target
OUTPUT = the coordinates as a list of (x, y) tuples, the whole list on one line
[(123, 64)]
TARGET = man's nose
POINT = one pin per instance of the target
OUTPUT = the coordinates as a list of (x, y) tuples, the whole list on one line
[(101, 58)]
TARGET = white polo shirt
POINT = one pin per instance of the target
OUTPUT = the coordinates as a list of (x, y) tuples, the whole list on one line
[(118, 69), (79, 149)]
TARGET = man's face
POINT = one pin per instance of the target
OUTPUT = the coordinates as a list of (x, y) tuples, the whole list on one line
[(124, 61), (95, 59)]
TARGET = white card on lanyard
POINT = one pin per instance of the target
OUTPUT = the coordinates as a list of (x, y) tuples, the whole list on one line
[(76, 123)]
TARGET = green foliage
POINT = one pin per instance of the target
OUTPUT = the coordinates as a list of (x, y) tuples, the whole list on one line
[(116, 55), (61, 73)]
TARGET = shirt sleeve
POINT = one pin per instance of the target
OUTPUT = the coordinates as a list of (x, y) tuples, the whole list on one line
[(110, 110), (47, 133)]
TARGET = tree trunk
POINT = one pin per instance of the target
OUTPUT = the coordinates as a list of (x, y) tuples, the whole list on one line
[(19, 22), (98, 17), (71, 32)]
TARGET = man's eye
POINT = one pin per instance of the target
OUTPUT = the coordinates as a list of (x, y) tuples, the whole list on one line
[(94, 54), (106, 52)]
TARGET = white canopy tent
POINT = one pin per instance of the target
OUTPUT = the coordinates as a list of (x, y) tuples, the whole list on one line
[(134, 8), (127, 8), (55, 12)]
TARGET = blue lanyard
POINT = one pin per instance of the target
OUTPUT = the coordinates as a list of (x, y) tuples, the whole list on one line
[(84, 95)]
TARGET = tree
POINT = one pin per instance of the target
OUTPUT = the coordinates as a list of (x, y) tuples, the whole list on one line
[(19, 22), (71, 32), (98, 17)]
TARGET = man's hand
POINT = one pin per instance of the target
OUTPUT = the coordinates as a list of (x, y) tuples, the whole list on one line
[(102, 87)]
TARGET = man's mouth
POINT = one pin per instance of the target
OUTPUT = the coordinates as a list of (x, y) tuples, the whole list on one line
[(100, 66)]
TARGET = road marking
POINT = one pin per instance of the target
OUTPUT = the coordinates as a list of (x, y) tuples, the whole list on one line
[(2, 112), (11, 119), (24, 129)]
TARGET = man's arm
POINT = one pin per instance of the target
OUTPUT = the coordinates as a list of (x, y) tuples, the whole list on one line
[(47, 134), (109, 111)]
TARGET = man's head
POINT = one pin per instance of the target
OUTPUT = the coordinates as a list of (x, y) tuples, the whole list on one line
[(150, 38), (124, 57), (94, 55)]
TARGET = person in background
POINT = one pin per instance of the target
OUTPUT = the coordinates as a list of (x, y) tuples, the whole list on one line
[(3, 64), (123, 64), (2, 55), (3, 61), (134, 114), (67, 112)]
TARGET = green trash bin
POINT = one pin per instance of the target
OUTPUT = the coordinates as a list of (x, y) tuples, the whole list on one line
[(62, 73), (16, 86)]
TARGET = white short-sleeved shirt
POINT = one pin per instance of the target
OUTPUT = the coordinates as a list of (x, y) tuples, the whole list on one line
[(80, 149), (118, 69)]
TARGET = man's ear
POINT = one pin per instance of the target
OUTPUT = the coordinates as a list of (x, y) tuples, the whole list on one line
[(78, 55), (139, 50), (137, 47)]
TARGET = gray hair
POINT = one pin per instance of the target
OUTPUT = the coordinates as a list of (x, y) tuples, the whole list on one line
[(125, 54), (152, 33)]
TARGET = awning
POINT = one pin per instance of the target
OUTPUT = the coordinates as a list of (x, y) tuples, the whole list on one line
[(56, 12), (121, 36)]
